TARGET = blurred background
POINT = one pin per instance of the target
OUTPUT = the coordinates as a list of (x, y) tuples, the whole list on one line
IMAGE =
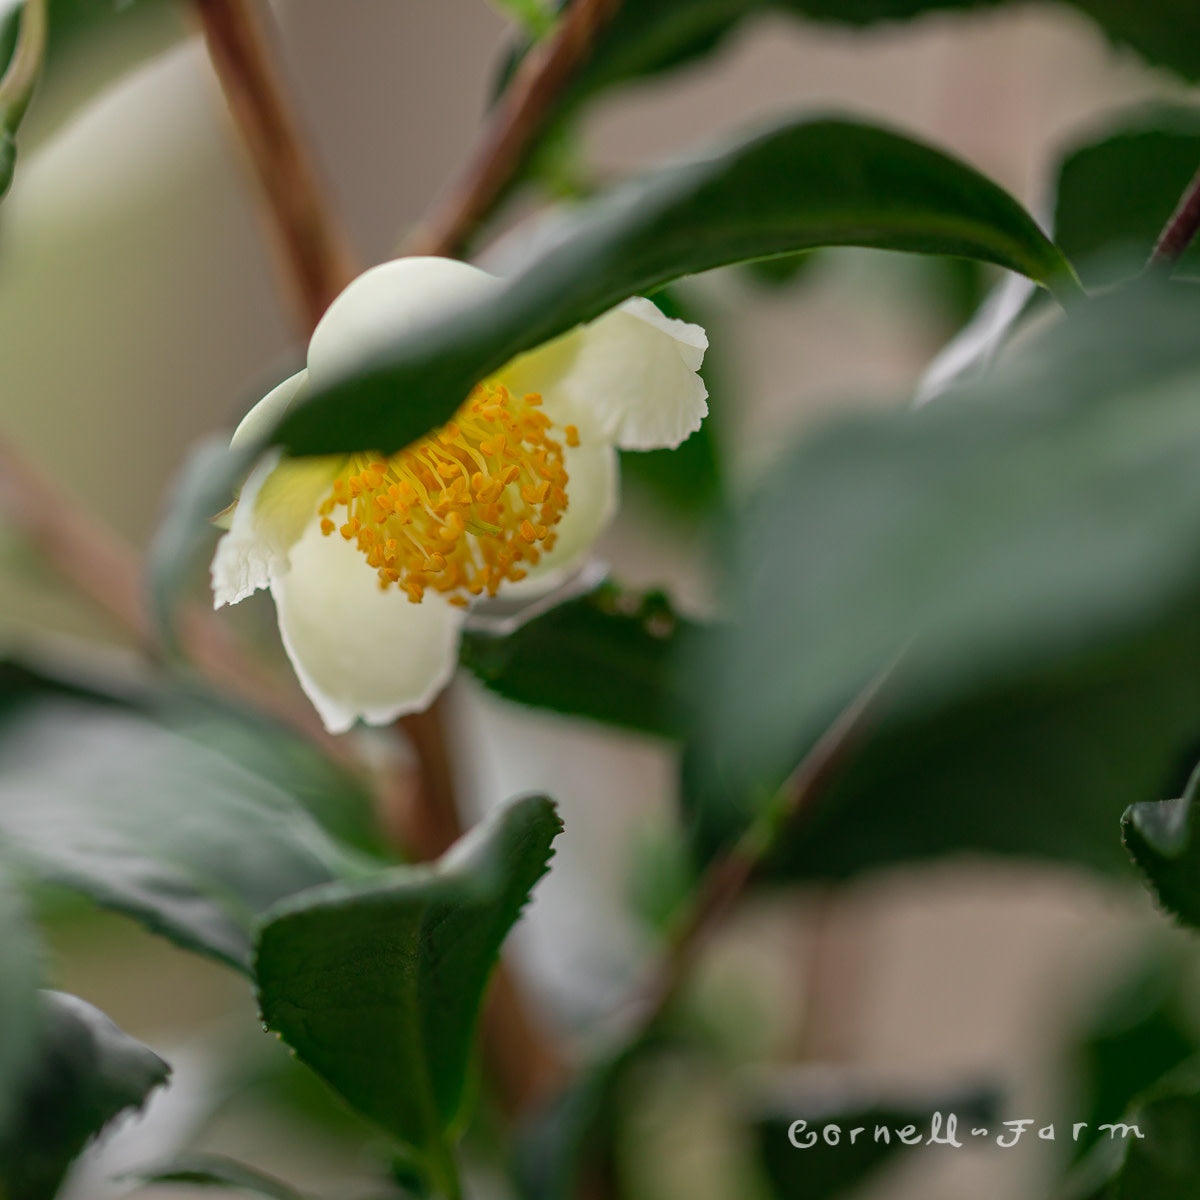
[(140, 311)]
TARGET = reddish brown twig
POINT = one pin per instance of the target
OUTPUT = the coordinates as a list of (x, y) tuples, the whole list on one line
[(101, 565), (313, 250), (523, 1065), (727, 877), (1180, 231), (519, 116)]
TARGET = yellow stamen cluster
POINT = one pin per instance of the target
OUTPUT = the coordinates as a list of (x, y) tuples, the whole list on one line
[(464, 508)]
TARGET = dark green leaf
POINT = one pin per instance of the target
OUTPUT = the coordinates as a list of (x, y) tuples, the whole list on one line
[(1160, 835), (339, 801), (377, 985), (570, 1138), (651, 36), (793, 187), (86, 1073), (1117, 189), (1029, 545), (1132, 1036), (20, 974), (211, 1170), (824, 1171), (1154, 1153), (610, 655), (99, 798)]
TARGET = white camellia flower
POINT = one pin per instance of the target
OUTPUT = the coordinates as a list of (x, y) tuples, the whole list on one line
[(372, 560)]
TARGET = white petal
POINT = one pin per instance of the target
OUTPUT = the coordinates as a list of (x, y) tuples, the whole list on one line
[(632, 378), (277, 504), (593, 491), (359, 651), (386, 301), (244, 560), (263, 417)]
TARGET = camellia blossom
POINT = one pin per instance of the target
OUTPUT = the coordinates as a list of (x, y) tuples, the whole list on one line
[(373, 560)]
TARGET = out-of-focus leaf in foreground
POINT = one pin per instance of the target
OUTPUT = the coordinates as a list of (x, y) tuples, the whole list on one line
[(100, 798), (1028, 546), (1153, 1153), (819, 182), (650, 36), (1131, 1035), (85, 1073), (20, 974), (214, 1171), (377, 985)]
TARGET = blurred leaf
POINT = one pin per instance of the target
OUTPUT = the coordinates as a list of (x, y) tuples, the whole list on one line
[(1029, 543), (8, 161), (20, 974), (650, 36), (570, 1138), (87, 1072), (101, 799), (1117, 190), (89, 44), (825, 1171), (377, 985), (1161, 837), (74, 22), (536, 17), (211, 1170), (660, 876), (1139, 1030), (1160, 1164), (199, 492), (858, 185), (782, 271), (26, 44), (340, 802), (689, 480), (610, 655)]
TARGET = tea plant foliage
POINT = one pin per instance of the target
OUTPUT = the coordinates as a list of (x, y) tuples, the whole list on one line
[(1011, 570)]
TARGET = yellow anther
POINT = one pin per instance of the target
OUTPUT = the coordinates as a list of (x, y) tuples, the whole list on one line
[(463, 509), (572, 432)]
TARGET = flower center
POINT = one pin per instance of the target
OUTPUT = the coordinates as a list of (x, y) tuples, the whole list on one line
[(464, 508)]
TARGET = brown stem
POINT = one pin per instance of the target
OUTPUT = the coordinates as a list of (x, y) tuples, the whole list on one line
[(433, 822), (101, 565), (313, 250), (1181, 229), (522, 1064), (518, 118), (315, 255), (728, 876)]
